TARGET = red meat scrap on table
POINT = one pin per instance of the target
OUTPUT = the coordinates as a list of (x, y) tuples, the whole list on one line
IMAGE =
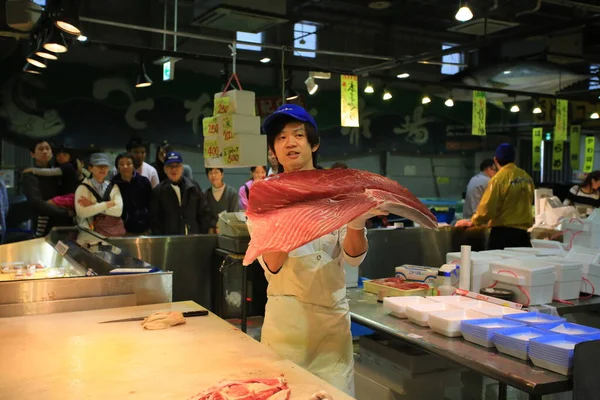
[(290, 210), (247, 389)]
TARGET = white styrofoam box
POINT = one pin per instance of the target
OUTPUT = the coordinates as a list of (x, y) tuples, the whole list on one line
[(527, 250), (351, 274), (568, 277), (240, 102), (419, 313), (591, 272), (397, 305), (549, 247), (497, 311), (235, 124), (455, 300), (584, 232), (480, 268), (584, 254), (239, 151), (447, 322), (535, 277)]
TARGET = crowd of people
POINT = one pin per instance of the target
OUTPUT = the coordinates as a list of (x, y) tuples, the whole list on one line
[(128, 196)]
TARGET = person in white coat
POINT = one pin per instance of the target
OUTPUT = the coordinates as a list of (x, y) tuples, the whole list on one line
[(87, 205), (307, 318)]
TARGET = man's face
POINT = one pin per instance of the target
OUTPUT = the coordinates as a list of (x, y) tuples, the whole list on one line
[(42, 153), (139, 155), (174, 171), (125, 166), (215, 176), (292, 148), (490, 171)]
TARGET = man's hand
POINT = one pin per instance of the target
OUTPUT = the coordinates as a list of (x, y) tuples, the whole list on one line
[(110, 204), (360, 222), (464, 223), (84, 201), (28, 170)]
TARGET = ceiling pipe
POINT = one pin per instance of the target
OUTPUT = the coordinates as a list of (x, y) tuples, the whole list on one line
[(537, 31), (532, 11)]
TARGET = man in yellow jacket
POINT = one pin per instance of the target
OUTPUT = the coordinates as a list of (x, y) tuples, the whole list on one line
[(506, 203)]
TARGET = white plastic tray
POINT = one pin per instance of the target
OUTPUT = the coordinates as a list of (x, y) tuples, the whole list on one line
[(454, 300), (419, 313), (512, 352), (479, 341), (559, 369), (447, 322), (397, 305)]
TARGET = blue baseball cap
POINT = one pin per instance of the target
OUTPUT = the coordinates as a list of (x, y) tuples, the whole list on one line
[(505, 153), (290, 110), (173, 157)]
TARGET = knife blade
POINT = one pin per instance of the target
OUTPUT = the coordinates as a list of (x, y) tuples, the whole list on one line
[(186, 314)]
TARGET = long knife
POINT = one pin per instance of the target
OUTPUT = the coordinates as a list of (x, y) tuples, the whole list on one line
[(186, 314)]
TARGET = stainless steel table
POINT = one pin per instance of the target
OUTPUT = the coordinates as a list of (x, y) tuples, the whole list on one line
[(578, 306), (366, 311)]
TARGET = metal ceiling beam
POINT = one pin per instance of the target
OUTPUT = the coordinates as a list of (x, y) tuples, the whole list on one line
[(574, 4), (490, 40)]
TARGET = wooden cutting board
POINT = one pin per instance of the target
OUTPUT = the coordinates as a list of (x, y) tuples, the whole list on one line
[(71, 356)]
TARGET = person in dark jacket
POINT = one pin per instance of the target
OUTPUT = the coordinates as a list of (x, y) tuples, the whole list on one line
[(220, 197), (39, 189), (178, 205), (159, 163), (136, 192)]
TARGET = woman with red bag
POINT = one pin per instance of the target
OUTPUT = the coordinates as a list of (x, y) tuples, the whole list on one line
[(98, 202)]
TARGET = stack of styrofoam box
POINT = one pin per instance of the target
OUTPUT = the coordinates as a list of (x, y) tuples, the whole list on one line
[(590, 258), (537, 278), (232, 136), (480, 268), (568, 277)]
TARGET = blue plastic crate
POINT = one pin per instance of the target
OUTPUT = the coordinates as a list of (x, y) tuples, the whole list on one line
[(358, 330), (535, 318)]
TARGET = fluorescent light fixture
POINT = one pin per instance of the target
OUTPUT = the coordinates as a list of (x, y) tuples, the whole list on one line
[(425, 100), (449, 102), (537, 110), (515, 108), (387, 95), (369, 88), (507, 72), (595, 116), (464, 14), (403, 75), (82, 38), (265, 60), (311, 85)]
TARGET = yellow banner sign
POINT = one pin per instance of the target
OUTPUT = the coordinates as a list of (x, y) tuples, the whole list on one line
[(536, 147), (479, 113), (562, 120), (221, 106), (210, 126), (574, 144), (443, 180), (211, 149), (349, 100), (588, 161), (557, 155)]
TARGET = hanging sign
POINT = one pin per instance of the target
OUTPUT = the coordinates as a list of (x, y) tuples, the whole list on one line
[(349, 101), (221, 105), (562, 120), (210, 126), (588, 162), (536, 146), (557, 155), (574, 144), (479, 113)]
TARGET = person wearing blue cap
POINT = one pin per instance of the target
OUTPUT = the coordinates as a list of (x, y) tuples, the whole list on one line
[(307, 317), (506, 203), (178, 205)]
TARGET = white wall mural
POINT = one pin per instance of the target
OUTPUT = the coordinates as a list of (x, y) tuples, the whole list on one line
[(415, 127), (198, 109)]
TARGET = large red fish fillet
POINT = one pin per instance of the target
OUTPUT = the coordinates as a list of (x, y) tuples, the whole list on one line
[(290, 210), (247, 389)]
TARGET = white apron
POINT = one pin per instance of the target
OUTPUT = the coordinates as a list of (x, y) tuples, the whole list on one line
[(307, 317)]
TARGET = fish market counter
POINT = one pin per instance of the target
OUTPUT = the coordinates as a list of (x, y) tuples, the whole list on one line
[(366, 311), (73, 356)]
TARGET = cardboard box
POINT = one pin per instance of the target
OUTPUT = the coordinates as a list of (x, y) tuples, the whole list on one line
[(241, 150), (241, 102)]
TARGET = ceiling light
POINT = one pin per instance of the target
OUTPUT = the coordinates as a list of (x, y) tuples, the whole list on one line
[(67, 18), (506, 72), (369, 88), (515, 108), (47, 54), (464, 14), (403, 75), (143, 80), (31, 69), (595, 116), (311, 85), (387, 95), (82, 38), (56, 42), (537, 110), (425, 100), (37, 61), (265, 60), (449, 102)]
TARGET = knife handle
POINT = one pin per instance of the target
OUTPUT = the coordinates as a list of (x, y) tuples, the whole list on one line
[(199, 313)]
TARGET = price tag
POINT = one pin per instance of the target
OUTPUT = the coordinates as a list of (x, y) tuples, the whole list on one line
[(231, 155), (221, 106), (211, 149), (210, 126), (61, 248), (227, 128)]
